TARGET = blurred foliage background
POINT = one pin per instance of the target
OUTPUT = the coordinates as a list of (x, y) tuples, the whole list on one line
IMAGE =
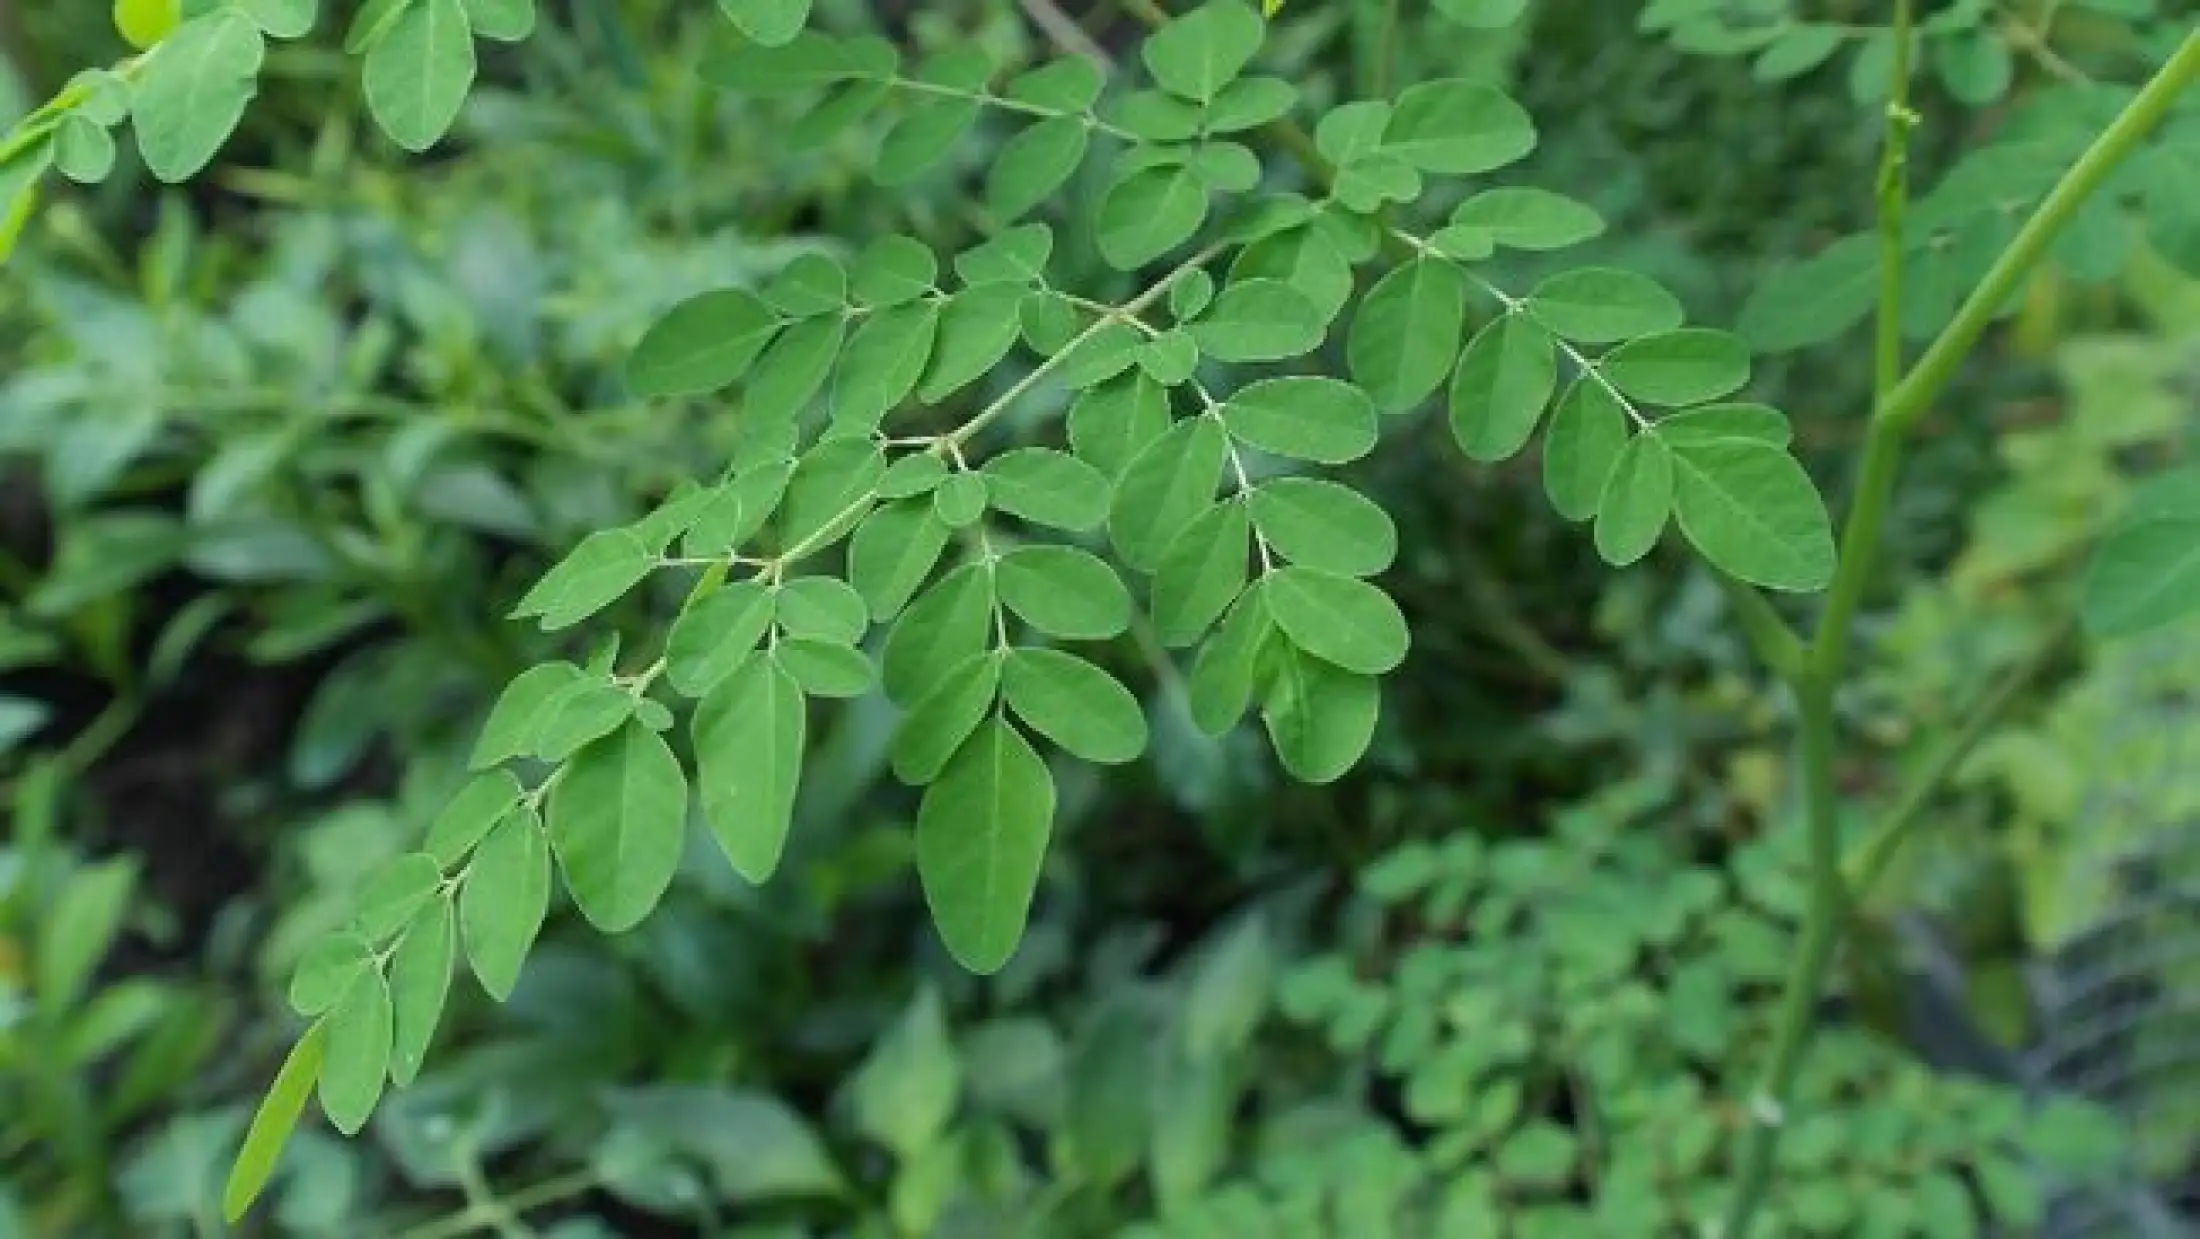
[(279, 450)]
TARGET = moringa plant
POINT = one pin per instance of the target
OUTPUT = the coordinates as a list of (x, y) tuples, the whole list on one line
[(960, 476)]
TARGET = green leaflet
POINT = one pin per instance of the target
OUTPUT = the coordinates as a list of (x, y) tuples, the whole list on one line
[(190, 97), (1067, 84), (946, 625), (1195, 55), (1752, 511), (1457, 127), (1047, 487), (939, 723), (273, 1122), (825, 608), (893, 270), (976, 329), (1169, 484), (1149, 213), (1405, 336), (922, 137), (1588, 431), (1202, 573), (1503, 380), (808, 286), (1111, 423), (893, 552), (1726, 421), (1064, 592), (1336, 618), (1075, 704), (883, 359), (906, 1091), (587, 709), (390, 896), (1815, 300), (715, 633), (1320, 717), (1598, 305), (981, 836), (1637, 498), (831, 490), (1032, 165), (596, 573), (1316, 523), (505, 21), (1260, 320), (739, 509), (1250, 102), (772, 23), (326, 970), (826, 668), (505, 898), (749, 741), (1015, 255), (1323, 420), (418, 71), (1526, 218), (358, 1052), (704, 343), (1226, 674), (1676, 368), (617, 823), (2147, 571), (420, 978)]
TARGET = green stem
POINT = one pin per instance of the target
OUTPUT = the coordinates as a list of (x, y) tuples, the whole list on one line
[(1868, 863), (1898, 409), (1769, 636)]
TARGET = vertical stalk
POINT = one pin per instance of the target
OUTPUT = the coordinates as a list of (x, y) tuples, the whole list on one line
[(1898, 406)]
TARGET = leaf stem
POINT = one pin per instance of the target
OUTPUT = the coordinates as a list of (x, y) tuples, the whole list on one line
[(1898, 407)]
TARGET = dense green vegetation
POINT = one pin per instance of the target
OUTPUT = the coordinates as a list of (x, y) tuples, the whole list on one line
[(988, 620)]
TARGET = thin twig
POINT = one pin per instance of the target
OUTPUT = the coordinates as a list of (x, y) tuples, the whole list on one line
[(1063, 31)]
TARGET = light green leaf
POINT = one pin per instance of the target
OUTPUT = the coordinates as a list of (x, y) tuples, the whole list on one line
[(1320, 717), (1406, 335), (883, 360), (809, 61), (282, 19), (1588, 432), (1976, 66), (187, 100), (1801, 47), (1316, 523), (504, 21), (809, 285), (1260, 320), (326, 969), (960, 500), (705, 343), (945, 626), (715, 634), (905, 1092), (750, 735), (1064, 592), (1352, 131), (1726, 421), (1029, 167), (1012, 256), (826, 668), (739, 509), (506, 896), (392, 893), (1152, 116), (419, 70), (981, 837), (584, 711), (1483, 14), (478, 805), (1198, 53), (937, 727), (1304, 418), (142, 23), (274, 1121), (1815, 300), (2146, 573), (1098, 356), (1505, 377), (1526, 218), (358, 1056), (832, 489), (772, 23), (1202, 573), (1305, 258), (78, 930), (420, 978), (1250, 102), (1110, 424), (976, 329), (1169, 483), (1337, 618), (1637, 498), (1190, 296), (916, 474), (823, 608), (595, 574), (893, 270), (1047, 487), (1677, 368), (617, 823), (83, 151), (1226, 674), (1075, 704), (1067, 84), (1597, 305), (894, 550), (1172, 357), (1457, 127), (922, 137), (1752, 511), (1149, 213)]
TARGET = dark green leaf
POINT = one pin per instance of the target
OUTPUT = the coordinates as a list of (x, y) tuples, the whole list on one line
[(945, 626), (1225, 675), (1110, 424), (976, 329), (937, 727), (1029, 167), (894, 550)]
